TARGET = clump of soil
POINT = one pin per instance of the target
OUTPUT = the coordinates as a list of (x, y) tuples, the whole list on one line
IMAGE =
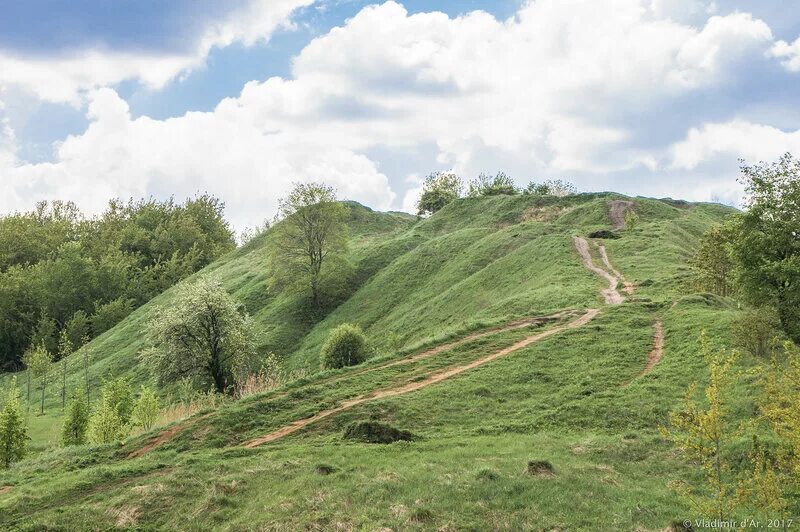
[(604, 233), (375, 432), (540, 468), (324, 469)]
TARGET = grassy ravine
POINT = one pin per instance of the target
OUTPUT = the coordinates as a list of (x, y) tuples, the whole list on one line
[(572, 399)]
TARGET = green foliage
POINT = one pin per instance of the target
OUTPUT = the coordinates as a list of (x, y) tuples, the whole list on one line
[(486, 185), (57, 267), (703, 433), (755, 330), (146, 410), (118, 393), (438, 190), (766, 247), (76, 421), (109, 314), (13, 433), (105, 426), (39, 361), (631, 219), (552, 187), (202, 335), (311, 236), (712, 264), (346, 346)]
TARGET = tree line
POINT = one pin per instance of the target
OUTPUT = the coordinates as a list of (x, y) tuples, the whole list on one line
[(62, 271), (441, 188), (755, 255)]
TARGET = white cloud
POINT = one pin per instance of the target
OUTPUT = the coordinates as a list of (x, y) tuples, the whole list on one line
[(556, 90), (738, 138), (65, 78), (789, 53)]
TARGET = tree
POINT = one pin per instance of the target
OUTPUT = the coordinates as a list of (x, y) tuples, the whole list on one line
[(64, 350), (486, 185), (631, 219), (119, 394), (439, 189), (146, 409), (703, 433), (311, 233), (76, 421), (105, 426), (766, 246), (13, 433), (39, 362), (201, 335), (755, 329), (346, 346), (712, 265), (551, 187)]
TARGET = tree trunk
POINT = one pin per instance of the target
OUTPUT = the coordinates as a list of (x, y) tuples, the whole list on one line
[(44, 385), (64, 384)]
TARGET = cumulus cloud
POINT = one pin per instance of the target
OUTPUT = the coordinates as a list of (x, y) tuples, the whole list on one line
[(561, 89), (65, 77), (788, 53)]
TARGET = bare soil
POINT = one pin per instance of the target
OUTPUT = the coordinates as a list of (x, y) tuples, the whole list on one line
[(610, 294), (616, 211)]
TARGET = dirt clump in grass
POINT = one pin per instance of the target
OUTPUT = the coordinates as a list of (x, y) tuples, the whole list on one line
[(324, 469), (604, 233), (540, 468), (375, 432)]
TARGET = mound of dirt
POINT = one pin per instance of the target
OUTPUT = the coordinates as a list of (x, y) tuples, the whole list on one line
[(374, 432), (604, 233), (540, 468)]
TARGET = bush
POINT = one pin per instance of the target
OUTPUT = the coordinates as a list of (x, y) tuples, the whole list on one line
[(119, 393), (13, 433), (146, 410), (105, 425), (108, 315), (755, 329), (486, 185), (346, 346), (604, 233), (374, 432), (76, 421)]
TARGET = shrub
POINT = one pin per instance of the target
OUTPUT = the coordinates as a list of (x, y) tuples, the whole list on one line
[(76, 421), (438, 190), (105, 425), (486, 185), (604, 233), (108, 315), (119, 393), (631, 219), (374, 432), (346, 346), (754, 330), (13, 433), (146, 410)]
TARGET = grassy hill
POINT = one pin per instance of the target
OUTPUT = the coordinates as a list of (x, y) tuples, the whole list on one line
[(575, 398)]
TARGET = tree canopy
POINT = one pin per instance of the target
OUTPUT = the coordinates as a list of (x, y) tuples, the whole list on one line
[(202, 335)]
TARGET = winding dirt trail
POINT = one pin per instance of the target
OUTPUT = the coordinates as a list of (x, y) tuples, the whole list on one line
[(413, 386), (610, 294), (165, 436), (656, 353), (628, 286)]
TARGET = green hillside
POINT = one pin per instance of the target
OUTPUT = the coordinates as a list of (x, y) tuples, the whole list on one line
[(570, 390)]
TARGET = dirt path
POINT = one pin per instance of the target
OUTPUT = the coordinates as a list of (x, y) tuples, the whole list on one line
[(656, 353), (413, 386), (616, 211), (628, 286), (166, 435), (658, 348), (5, 489), (610, 294)]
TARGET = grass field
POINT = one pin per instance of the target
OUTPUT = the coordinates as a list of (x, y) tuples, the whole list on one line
[(576, 399)]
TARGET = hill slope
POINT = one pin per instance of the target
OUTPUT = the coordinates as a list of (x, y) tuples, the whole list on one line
[(556, 389)]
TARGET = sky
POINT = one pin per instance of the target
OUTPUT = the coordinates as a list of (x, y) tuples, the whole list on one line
[(138, 98)]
